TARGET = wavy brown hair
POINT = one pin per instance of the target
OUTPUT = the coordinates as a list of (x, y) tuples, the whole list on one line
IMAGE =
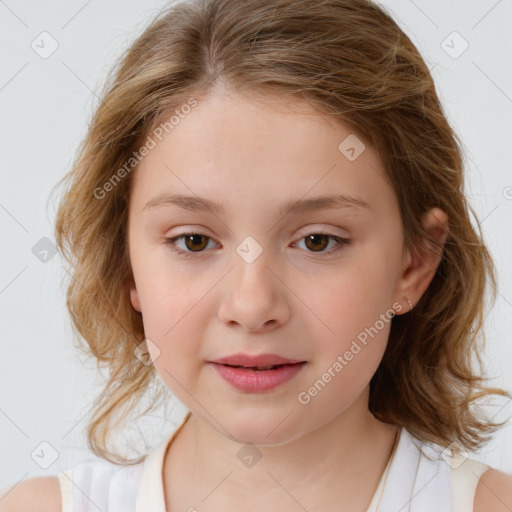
[(350, 60)]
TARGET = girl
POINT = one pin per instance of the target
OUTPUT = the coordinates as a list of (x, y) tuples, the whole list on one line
[(268, 214)]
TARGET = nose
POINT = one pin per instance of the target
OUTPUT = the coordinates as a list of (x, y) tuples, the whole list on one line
[(254, 296)]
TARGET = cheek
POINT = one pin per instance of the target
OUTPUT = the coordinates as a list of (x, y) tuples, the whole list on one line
[(171, 321), (344, 368), (348, 299), (178, 338), (352, 312)]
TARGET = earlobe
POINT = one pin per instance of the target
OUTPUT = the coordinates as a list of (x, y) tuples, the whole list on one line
[(134, 298), (424, 259)]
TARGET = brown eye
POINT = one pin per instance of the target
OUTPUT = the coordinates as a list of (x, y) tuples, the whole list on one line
[(317, 242), (189, 243), (196, 241), (323, 243)]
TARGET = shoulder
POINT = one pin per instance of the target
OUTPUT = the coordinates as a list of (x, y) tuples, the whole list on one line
[(493, 492), (41, 494)]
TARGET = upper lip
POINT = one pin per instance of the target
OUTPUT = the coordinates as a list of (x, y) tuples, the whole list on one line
[(253, 361)]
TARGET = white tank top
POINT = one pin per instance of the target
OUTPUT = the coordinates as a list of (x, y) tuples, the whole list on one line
[(416, 479)]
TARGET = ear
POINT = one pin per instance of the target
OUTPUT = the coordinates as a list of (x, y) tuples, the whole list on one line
[(134, 297), (420, 264)]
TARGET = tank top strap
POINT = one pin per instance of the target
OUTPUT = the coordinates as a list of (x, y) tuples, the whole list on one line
[(425, 477), (465, 475), (151, 493), (97, 484), (418, 479), (66, 489), (432, 487)]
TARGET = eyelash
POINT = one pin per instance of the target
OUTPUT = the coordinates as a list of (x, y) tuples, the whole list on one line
[(171, 242)]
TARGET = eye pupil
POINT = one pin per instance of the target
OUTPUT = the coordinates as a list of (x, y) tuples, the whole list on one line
[(194, 238), (316, 238)]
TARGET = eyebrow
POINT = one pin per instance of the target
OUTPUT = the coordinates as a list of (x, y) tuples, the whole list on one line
[(338, 201)]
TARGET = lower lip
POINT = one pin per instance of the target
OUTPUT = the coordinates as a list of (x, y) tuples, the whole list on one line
[(256, 381)]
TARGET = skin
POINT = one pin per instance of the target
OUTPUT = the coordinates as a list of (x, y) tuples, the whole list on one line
[(254, 154)]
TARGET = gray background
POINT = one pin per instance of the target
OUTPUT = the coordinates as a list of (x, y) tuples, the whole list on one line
[(46, 388)]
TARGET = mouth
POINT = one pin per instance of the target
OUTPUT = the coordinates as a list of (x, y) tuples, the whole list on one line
[(261, 362), (262, 368), (258, 379)]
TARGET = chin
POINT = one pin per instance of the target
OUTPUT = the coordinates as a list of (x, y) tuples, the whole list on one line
[(262, 429)]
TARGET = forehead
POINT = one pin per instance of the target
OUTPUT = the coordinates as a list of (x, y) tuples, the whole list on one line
[(257, 152)]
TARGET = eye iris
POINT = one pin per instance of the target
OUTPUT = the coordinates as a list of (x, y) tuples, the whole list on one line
[(194, 239), (313, 238)]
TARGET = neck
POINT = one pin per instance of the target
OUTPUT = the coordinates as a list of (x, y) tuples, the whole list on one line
[(341, 462)]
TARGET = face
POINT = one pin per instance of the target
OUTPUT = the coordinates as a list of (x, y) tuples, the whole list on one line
[(315, 284)]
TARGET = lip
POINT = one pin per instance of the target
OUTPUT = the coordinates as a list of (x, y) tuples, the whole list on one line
[(257, 381), (250, 361)]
